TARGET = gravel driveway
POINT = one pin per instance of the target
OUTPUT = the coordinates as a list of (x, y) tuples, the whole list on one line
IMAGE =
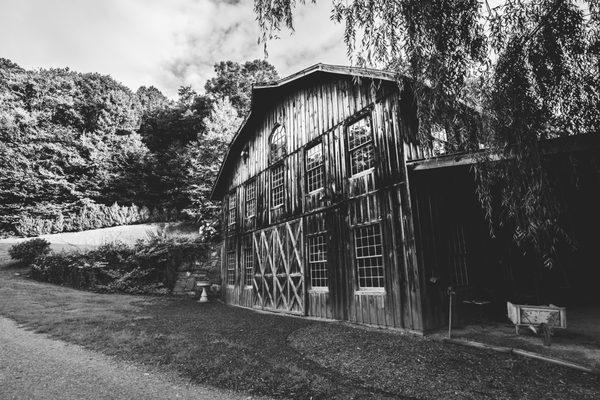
[(33, 366)]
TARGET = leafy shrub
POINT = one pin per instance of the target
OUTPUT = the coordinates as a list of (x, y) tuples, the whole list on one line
[(28, 251), (150, 266)]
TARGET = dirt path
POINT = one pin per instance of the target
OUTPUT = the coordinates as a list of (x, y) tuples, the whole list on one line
[(33, 366)]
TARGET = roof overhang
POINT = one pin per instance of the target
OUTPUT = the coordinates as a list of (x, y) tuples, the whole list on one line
[(266, 90), (559, 145)]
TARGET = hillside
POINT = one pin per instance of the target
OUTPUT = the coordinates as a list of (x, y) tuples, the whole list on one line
[(72, 143)]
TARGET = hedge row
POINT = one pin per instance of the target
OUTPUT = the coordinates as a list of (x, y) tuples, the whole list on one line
[(92, 216), (148, 267)]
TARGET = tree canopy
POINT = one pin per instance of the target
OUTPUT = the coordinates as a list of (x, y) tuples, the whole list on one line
[(61, 140), (69, 140), (235, 81)]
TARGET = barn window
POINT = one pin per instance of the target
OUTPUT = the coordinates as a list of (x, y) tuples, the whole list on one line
[(277, 143), (317, 260), (314, 168), (248, 264), (369, 256), (231, 268), (360, 145), (232, 208), (439, 139), (251, 199), (277, 186)]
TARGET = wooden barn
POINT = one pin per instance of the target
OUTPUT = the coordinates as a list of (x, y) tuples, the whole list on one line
[(332, 209)]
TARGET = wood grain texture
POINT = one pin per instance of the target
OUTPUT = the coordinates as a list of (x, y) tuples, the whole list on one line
[(319, 111)]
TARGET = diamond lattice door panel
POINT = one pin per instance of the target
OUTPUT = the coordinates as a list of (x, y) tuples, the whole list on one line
[(279, 277)]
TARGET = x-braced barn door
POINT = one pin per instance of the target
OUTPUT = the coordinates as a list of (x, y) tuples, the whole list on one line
[(279, 274)]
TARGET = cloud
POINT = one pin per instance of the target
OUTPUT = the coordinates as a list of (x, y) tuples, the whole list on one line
[(155, 42)]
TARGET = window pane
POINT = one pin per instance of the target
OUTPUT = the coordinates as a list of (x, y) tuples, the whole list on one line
[(317, 259), (314, 168), (369, 256), (278, 143), (361, 159), (359, 133), (277, 186), (231, 268), (314, 156), (251, 199), (232, 209), (248, 265)]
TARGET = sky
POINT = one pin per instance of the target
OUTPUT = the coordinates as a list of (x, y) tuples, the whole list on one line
[(164, 43)]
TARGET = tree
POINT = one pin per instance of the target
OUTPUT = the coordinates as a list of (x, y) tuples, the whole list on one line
[(536, 64), (202, 158), (235, 81), (188, 138), (176, 124), (66, 137), (151, 99)]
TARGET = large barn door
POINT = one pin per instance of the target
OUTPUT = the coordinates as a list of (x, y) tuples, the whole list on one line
[(279, 277)]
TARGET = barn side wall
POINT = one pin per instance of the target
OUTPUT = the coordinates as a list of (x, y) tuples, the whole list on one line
[(319, 112)]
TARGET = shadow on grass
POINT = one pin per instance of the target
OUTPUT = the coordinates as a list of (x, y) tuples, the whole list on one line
[(15, 265), (279, 356)]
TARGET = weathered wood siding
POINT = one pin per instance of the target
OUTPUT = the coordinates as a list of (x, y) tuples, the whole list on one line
[(320, 111)]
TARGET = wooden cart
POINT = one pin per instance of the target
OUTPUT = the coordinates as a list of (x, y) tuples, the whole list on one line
[(540, 319)]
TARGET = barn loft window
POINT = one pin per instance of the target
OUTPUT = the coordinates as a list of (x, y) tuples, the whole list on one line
[(248, 263), (232, 214), (317, 259), (277, 143), (369, 256), (360, 146), (231, 268), (439, 139), (314, 168), (277, 186), (251, 199)]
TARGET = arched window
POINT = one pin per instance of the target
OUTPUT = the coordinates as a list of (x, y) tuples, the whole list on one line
[(277, 143)]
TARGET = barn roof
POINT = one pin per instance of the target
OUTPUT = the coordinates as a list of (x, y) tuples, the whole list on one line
[(265, 91)]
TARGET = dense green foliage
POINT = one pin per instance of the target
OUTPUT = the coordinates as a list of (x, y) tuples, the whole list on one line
[(148, 267), (93, 216), (71, 144), (65, 137), (26, 252), (235, 81), (531, 69)]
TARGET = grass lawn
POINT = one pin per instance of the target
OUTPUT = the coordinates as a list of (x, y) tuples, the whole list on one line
[(280, 356)]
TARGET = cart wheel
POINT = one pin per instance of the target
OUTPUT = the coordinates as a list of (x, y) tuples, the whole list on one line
[(546, 334)]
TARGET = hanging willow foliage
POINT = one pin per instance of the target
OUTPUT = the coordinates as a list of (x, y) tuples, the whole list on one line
[(530, 68)]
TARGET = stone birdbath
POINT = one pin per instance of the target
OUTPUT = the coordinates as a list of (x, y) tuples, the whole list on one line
[(203, 284)]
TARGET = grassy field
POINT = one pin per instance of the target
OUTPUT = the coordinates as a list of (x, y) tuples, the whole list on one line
[(127, 234), (279, 356)]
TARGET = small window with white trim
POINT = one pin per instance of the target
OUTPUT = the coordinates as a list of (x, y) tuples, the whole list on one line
[(368, 252), (314, 168), (231, 264), (317, 260), (248, 264), (360, 146), (277, 186), (251, 199), (232, 211)]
